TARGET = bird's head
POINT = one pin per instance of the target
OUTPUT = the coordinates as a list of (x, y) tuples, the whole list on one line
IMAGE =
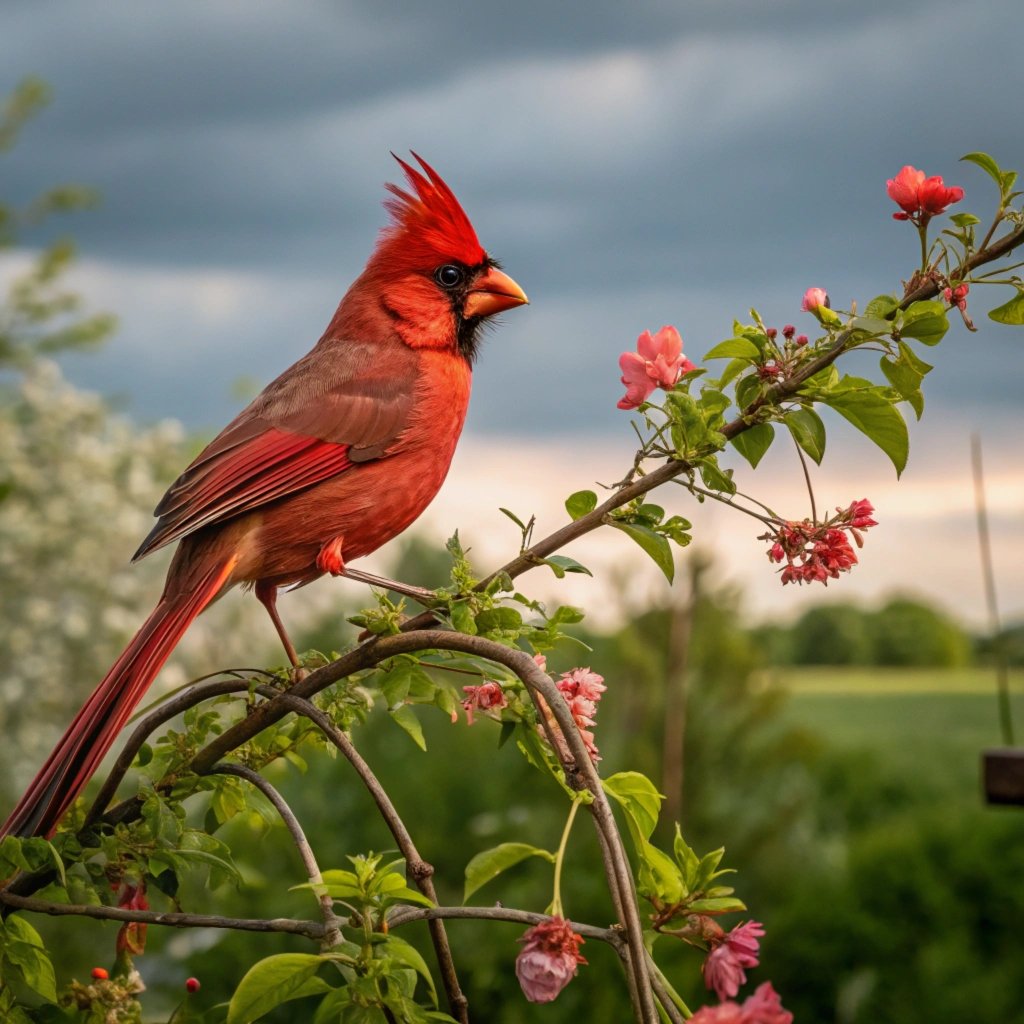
[(433, 278)]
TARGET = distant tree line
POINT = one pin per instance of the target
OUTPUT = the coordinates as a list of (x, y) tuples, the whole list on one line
[(904, 632)]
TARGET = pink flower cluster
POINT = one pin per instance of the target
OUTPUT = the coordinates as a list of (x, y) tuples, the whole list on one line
[(131, 938), (488, 696), (731, 954), (920, 198), (818, 552), (657, 363), (582, 689), (548, 960), (763, 1007)]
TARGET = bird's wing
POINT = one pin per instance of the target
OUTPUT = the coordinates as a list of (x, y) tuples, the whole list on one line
[(338, 406)]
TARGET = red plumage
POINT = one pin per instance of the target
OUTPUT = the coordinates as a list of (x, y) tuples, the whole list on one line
[(334, 458)]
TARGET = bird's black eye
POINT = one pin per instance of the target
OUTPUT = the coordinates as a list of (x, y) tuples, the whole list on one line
[(449, 276)]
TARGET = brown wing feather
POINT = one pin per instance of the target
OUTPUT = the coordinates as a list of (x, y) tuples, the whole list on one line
[(342, 404)]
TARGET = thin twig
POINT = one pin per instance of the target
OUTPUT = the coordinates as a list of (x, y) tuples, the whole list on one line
[(406, 915), (419, 870), (311, 929), (332, 924), (164, 712)]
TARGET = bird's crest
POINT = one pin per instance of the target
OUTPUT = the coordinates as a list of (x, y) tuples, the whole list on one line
[(428, 220)]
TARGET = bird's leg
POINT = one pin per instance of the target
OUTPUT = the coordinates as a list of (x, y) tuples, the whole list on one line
[(267, 595), (330, 560)]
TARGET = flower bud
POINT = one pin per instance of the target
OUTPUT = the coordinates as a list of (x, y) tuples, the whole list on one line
[(100, 973), (192, 985)]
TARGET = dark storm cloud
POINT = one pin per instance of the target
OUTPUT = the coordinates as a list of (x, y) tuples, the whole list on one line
[(631, 164)]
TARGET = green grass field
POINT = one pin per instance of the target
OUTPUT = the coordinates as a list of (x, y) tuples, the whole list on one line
[(926, 728)]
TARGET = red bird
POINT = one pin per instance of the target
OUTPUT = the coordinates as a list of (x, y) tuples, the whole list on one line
[(337, 456)]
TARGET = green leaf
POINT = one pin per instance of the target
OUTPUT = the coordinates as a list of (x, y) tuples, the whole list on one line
[(638, 797), (274, 981), (580, 503), (926, 321), (881, 306), (654, 544), (561, 564), (489, 864), (808, 431), (754, 442), (406, 719), (714, 478), (501, 619), (873, 325), (400, 950), (515, 519), (23, 948), (878, 419), (717, 905), (964, 220), (987, 164), (735, 348), (1011, 312)]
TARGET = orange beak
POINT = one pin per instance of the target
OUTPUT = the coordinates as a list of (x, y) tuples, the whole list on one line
[(492, 292)]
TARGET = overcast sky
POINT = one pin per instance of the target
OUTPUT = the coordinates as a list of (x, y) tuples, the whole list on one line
[(630, 164)]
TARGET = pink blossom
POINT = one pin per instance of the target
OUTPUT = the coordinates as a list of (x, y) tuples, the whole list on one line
[(487, 696), (548, 960), (658, 363), (957, 296), (581, 689), (725, 966), (763, 1007), (814, 299), (920, 198)]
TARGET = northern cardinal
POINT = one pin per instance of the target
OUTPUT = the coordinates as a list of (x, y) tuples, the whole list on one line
[(337, 456)]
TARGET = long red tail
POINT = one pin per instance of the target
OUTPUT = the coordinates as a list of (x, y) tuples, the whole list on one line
[(94, 729)]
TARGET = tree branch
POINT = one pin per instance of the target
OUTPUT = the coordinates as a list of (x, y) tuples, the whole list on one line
[(332, 924)]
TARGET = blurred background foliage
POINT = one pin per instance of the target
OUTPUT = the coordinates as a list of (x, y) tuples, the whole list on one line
[(835, 757)]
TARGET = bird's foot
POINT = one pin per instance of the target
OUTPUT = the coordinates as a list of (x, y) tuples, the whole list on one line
[(427, 598), (329, 559)]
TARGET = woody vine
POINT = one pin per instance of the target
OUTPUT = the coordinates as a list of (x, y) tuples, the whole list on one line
[(121, 859)]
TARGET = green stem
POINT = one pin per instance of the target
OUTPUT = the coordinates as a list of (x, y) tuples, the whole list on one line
[(922, 231), (556, 899)]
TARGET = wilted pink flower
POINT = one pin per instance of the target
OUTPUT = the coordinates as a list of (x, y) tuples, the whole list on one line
[(131, 938), (725, 966), (548, 960), (920, 198), (658, 363), (763, 1007), (485, 697), (814, 299)]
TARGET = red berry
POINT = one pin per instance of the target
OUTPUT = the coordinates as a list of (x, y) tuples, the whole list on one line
[(192, 985), (100, 973)]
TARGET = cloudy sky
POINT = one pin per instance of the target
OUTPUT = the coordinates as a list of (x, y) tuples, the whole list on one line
[(631, 165)]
